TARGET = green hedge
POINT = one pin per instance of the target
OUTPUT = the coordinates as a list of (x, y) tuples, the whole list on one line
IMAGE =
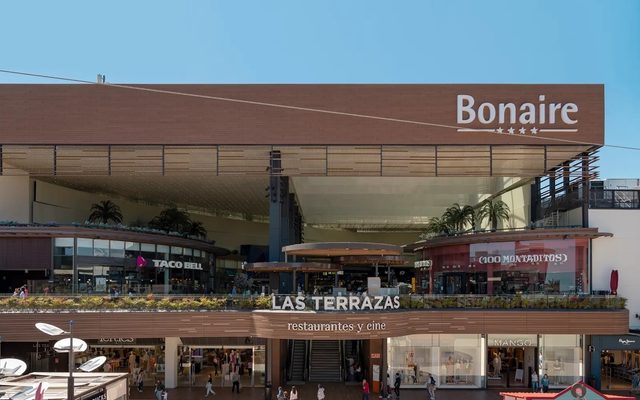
[(213, 303)]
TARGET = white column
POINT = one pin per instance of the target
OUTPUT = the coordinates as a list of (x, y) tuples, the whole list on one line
[(171, 361)]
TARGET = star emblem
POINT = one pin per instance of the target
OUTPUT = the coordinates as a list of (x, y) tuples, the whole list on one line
[(511, 130), (499, 130), (534, 131), (522, 130)]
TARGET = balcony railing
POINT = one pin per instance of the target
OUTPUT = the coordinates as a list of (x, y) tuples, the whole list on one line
[(614, 198), (248, 303)]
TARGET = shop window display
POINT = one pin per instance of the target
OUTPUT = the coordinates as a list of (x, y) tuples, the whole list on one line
[(453, 360), (561, 358)]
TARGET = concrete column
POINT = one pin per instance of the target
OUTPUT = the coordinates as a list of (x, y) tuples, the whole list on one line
[(171, 360)]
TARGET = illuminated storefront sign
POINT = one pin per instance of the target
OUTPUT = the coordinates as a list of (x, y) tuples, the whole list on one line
[(337, 303)]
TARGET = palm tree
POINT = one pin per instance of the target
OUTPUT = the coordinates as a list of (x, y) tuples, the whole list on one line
[(495, 211), (197, 229), (437, 226), (105, 211), (458, 217), (171, 220)]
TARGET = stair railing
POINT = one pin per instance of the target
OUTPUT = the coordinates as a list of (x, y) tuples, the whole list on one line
[(309, 364), (307, 345)]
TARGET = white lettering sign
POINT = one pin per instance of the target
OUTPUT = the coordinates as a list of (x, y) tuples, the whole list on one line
[(176, 264), (337, 303), (357, 327), (512, 342), (524, 258), (515, 114), (626, 342), (423, 264), (116, 340)]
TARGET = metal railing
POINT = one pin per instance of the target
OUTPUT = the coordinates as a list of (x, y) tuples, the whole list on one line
[(614, 198), (313, 303)]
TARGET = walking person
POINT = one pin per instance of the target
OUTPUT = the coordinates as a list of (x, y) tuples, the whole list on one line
[(396, 385), (320, 392), (431, 387), (235, 380), (159, 388), (294, 393), (365, 390), (545, 383), (140, 380), (209, 387), (534, 381)]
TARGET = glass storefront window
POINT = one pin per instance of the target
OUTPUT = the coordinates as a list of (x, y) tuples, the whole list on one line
[(63, 247), (148, 250), (163, 252), (453, 360), (561, 359), (196, 253), (527, 266), (132, 249), (63, 265), (101, 248), (176, 251), (100, 279), (116, 248), (85, 247)]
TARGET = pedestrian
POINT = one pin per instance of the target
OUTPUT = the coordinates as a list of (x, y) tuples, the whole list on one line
[(320, 392), (396, 385), (209, 387), (294, 393), (431, 387), (545, 383), (157, 391), (140, 380), (534, 381), (165, 395), (235, 380), (365, 390)]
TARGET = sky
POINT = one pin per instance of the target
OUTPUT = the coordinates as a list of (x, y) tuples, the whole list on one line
[(341, 41)]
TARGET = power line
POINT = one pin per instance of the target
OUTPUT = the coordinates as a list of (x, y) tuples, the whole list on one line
[(297, 108)]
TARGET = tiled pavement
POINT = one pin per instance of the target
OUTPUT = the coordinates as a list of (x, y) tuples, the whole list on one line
[(307, 392)]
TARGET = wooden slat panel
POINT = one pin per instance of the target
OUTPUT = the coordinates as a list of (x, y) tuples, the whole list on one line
[(179, 160), (136, 160), (303, 160), (36, 160), (82, 160), (354, 161), (464, 161), (556, 155), (268, 324), (517, 161), (409, 161), (243, 160)]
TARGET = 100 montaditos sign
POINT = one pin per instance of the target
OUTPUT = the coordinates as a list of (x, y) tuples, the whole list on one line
[(336, 303)]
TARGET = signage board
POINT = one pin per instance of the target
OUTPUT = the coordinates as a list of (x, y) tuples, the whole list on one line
[(99, 395), (336, 303)]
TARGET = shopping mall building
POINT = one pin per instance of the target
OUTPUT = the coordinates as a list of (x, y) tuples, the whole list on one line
[(318, 194)]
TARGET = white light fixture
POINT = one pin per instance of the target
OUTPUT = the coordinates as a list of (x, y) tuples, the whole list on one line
[(93, 364), (12, 367), (50, 330), (63, 345)]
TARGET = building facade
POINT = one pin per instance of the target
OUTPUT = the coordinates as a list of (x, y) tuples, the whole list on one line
[(340, 169)]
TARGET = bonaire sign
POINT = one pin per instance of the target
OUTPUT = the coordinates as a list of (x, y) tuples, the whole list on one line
[(336, 303), (526, 118)]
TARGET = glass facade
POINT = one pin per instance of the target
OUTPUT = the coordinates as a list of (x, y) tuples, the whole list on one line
[(113, 267), (471, 361), (561, 359), (531, 266), (453, 360)]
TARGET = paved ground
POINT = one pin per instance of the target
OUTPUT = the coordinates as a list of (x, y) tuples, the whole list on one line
[(333, 391)]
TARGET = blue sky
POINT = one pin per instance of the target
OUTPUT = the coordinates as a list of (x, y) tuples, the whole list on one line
[(346, 41)]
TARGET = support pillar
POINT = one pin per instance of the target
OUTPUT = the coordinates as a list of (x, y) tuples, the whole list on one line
[(171, 361), (585, 190)]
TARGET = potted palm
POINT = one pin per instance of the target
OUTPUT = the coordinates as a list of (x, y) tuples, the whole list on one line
[(494, 211), (104, 212)]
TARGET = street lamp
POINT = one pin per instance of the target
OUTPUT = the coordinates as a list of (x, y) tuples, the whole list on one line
[(70, 345)]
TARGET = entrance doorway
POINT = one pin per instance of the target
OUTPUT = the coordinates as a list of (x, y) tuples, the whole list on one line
[(620, 369), (510, 367)]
